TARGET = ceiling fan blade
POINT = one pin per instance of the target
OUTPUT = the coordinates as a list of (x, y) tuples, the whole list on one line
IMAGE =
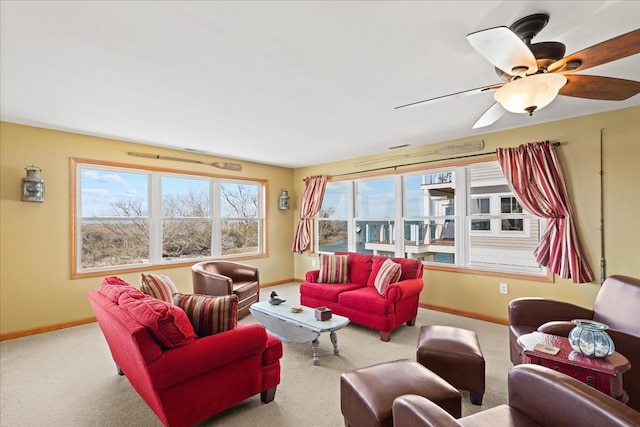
[(490, 116), (452, 96), (610, 50), (504, 49), (599, 87)]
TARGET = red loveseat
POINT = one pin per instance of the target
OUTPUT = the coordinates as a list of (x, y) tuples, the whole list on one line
[(360, 301), (198, 377)]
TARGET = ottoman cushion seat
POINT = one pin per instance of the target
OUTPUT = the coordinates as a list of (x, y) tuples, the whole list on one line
[(367, 394), (455, 355)]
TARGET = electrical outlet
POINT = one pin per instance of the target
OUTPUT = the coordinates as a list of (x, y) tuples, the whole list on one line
[(313, 263), (504, 288)]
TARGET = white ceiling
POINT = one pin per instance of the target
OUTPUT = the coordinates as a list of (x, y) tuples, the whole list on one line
[(284, 83)]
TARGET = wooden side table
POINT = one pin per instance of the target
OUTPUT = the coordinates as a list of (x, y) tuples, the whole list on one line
[(604, 375)]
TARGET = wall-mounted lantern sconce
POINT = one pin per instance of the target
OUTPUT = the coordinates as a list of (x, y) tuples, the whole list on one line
[(283, 200), (33, 185)]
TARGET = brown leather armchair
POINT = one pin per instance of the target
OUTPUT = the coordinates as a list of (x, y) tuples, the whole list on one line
[(617, 305), (226, 278), (538, 396)]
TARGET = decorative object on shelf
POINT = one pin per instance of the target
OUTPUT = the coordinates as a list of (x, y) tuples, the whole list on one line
[(322, 313), (283, 200), (589, 338), (33, 185), (275, 299), (296, 309)]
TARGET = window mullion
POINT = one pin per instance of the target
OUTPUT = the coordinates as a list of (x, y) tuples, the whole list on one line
[(462, 195), (155, 218), (398, 220), (216, 218), (351, 225)]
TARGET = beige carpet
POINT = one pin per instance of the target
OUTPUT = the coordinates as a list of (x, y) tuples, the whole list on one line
[(67, 377)]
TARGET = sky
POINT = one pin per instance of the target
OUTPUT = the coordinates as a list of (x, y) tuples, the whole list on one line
[(101, 188)]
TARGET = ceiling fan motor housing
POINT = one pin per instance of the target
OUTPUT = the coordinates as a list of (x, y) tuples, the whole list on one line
[(527, 27)]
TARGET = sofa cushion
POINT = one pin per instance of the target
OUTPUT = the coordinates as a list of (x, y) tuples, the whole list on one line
[(367, 300), (411, 268), (326, 292), (168, 324), (209, 314), (158, 286), (359, 267), (333, 269), (113, 286), (388, 273)]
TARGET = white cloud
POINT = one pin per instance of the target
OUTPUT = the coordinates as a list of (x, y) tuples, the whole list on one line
[(95, 192), (92, 175)]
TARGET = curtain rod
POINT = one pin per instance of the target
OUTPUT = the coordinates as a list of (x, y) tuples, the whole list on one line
[(555, 144)]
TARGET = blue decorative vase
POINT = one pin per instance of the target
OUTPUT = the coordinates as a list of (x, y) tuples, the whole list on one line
[(589, 338)]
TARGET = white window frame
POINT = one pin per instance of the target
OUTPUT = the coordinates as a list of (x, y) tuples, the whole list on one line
[(462, 219), (155, 216)]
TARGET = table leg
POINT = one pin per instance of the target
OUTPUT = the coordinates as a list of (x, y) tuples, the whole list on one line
[(334, 341), (314, 349)]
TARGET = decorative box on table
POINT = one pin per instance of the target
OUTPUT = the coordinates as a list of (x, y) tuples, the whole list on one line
[(323, 313)]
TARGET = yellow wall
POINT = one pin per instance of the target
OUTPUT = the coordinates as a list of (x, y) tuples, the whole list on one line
[(580, 158), (35, 285)]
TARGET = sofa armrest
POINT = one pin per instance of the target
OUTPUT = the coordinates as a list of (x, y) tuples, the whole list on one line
[(415, 410), (208, 353), (537, 311), (551, 398), (312, 276), (560, 328), (404, 289)]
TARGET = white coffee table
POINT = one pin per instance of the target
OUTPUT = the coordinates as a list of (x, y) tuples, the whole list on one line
[(298, 327)]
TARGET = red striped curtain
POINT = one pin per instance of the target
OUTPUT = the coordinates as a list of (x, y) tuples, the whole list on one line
[(311, 204), (535, 177)]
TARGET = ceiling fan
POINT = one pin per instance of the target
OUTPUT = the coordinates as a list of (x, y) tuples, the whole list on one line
[(534, 74)]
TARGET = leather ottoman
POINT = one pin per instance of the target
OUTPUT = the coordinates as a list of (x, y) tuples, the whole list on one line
[(367, 394), (455, 355)]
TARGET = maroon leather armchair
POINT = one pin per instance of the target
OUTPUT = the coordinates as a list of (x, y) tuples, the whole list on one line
[(538, 396), (227, 278), (617, 305)]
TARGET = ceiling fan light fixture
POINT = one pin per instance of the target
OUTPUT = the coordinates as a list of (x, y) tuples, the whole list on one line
[(530, 93)]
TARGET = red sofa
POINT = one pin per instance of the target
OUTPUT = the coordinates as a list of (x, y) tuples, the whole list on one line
[(197, 378), (360, 301)]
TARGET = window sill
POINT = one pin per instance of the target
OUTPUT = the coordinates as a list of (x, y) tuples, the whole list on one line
[(548, 278)]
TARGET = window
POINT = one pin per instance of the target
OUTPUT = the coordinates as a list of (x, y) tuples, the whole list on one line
[(131, 218), (480, 206), (430, 217), (510, 205), (333, 219), (375, 216), (463, 216)]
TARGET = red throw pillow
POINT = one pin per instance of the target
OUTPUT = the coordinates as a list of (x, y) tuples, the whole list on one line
[(112, 287), (359, 267), (168, 324), (375, 267)]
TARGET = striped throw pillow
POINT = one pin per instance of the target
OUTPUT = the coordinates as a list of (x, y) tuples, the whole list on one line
[(333, 269), (158, 286), (209, 314), (389, 273)]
